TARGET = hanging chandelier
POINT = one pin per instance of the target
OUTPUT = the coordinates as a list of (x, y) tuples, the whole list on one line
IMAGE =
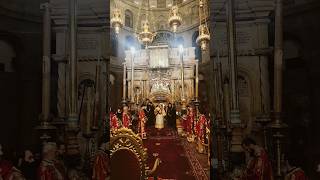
[(116, 21), (146, 37), (203, 39), (175, 19)]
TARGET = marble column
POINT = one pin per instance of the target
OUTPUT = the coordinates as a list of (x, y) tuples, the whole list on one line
[(147, 85), (183, 100), (46, 63), (46, 66), (278, 125), (72, 122), (233, 75), (197, 81), (132, 78), (124, 84)]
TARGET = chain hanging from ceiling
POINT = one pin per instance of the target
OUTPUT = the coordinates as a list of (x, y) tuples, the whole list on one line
[(116, 19), (203, 39), (175, 19), (146, 36)]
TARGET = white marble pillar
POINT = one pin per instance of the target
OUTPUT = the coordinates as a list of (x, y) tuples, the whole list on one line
[(197, 80), (73, 124), (46, 61), (124, 84), (132, 77)]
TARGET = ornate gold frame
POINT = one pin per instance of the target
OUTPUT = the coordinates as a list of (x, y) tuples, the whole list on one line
[(125, 138)]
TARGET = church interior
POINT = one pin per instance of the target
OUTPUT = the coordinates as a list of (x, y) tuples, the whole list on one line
[(159, 89)]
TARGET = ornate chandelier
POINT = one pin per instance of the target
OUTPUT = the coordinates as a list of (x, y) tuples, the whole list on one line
[(116, 21), (146, 37), (203, 39), (175, 19)]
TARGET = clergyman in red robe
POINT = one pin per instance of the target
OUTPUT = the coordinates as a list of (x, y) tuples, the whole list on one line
[(126, 119), (47, 169), (190, 120), (101, 166), (293, 172), (201, 128), (114, 122), (142, 123), (259, 167)]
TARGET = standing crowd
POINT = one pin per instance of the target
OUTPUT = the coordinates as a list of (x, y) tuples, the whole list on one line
[(191, 123), (51, 165)]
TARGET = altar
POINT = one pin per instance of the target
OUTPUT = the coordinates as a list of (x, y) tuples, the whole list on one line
[(160, 74)]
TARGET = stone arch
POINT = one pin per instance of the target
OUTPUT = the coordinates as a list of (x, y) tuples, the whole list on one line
[(198, 51), (86, 91), (85, 80), (162, 23), (114, 43), (247, 100), (128, 18), (112, 79), (161, 3)]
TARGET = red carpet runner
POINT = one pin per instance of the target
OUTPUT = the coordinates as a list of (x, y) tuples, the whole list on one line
[(175, 155)]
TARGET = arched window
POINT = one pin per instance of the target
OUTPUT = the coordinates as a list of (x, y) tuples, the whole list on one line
[(128, 21), (194, 44), (177, 2), (161, 3), (162, 23)]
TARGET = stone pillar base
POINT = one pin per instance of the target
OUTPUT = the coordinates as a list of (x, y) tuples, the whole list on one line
[(73, 157)]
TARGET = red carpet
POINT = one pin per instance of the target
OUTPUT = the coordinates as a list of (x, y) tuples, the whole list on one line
[(175, 165)]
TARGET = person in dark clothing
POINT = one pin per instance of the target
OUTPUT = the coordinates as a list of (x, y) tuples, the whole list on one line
[(29, 165), (171, 116), (150, 114)]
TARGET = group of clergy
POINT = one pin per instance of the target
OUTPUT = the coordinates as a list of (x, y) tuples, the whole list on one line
[(53, 165), (259, 166), (194, 124)]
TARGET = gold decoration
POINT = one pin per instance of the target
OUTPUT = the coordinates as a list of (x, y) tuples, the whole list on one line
[(204, 37), (204, 33), (175, 19), (146, 36), (116, 21), (125, 138)]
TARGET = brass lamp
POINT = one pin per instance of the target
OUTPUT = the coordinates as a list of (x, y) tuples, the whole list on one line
[(175, 19), (146, 36), (204, 37), (116, 21)]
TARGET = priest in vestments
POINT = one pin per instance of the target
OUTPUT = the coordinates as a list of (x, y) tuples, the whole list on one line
[(259, 167), (48, 169), (293, 172), (126, 119), (190, 123), (200, 129), (101, 166), (142, 123), (201, 126), (114, 122), (296, 174)]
